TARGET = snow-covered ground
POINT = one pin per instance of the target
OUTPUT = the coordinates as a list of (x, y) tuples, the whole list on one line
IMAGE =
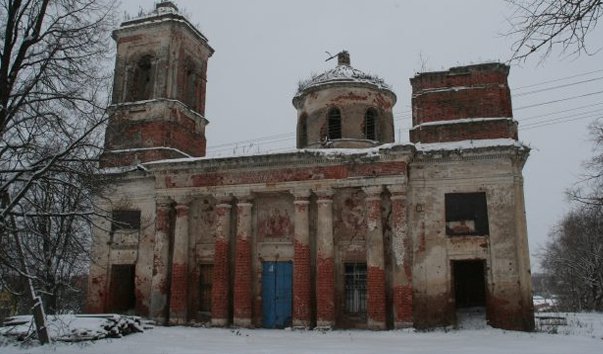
[(582, 334)]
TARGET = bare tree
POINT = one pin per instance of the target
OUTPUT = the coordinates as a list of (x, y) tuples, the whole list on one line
[(541, 25), (589, 191), (573, 259), (53, 94)]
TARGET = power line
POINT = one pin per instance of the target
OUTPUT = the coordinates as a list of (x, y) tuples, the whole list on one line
[(556, 80), (558, 87), (559, 100), (560, 121), (559, 112)]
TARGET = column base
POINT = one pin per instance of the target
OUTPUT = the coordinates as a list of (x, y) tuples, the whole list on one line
[(400, 325), (242, 322), (325, 324), (177, 322), (376, 325), (219, 322), (300, 323)]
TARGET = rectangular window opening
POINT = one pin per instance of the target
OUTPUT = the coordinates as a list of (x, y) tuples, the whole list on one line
[(466, 214), (125, 220), (355, 289)]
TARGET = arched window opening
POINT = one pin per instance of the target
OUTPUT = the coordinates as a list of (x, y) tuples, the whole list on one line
[(334, 124), (370, 124), (303, 131), (190, 92), (141, 85)]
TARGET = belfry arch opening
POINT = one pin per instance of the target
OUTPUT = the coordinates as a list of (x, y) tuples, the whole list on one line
[(140, 87)]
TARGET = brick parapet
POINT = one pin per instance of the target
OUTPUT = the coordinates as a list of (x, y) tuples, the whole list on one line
[(505, 128), (474, 92)]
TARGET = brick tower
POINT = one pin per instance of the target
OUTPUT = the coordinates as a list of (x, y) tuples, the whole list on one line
[(464, 103), (158, 107)]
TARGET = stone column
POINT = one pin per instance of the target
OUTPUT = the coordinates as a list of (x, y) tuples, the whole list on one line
[(375, 303), (221, 275), (179, 288), (302, 285), (402, 259), (325, 261), (159, 282), (243, 287)]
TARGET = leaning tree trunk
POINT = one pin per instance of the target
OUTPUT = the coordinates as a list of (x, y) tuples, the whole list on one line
[(38, 307)]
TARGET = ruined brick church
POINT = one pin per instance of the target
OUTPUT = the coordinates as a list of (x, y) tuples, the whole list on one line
[(349, 230)]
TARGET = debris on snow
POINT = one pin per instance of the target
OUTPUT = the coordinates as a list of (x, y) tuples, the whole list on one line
[(75, 328)]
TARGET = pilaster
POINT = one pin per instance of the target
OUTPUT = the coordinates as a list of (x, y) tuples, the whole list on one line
[(375, 262), (325, 260)]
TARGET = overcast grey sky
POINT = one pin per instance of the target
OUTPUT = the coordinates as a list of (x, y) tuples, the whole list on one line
[(264, 47)]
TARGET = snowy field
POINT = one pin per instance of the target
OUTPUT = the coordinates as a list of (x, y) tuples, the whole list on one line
[(583, 333)]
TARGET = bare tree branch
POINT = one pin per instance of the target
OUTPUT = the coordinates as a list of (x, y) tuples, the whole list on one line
[(541, 25)]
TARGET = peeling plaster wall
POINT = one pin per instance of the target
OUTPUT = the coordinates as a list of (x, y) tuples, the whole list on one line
[(503, 250), (109, 248)]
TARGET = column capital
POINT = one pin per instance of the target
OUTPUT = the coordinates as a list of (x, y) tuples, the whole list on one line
[(373, 192), (183, 201), (301, 194), (324, 194), (398, 191), (163, 202), (243, 196), (223, 200)]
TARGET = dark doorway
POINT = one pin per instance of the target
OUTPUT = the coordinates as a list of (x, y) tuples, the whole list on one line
[(122, 296), (469, 283)]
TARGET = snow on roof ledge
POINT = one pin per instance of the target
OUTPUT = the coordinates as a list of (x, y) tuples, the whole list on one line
[(469, 144)]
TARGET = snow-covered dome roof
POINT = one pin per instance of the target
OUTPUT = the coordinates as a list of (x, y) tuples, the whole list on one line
[(342, 73)]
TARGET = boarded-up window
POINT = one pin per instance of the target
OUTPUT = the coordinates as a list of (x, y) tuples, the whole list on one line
[(125, 220), (355, 289), (206, 272), (334, 122), (122, 288), (466, 214)]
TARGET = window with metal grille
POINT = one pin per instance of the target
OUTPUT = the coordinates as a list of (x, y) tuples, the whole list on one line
[(125, 220), (466, 214), (334, 123), (370, 124), (206, 272), (355, 288), (303, 130)]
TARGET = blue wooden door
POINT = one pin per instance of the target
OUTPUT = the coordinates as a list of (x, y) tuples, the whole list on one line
[(276, 294)]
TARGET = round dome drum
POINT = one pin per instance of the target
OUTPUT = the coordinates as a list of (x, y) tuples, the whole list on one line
[(344, 108)]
